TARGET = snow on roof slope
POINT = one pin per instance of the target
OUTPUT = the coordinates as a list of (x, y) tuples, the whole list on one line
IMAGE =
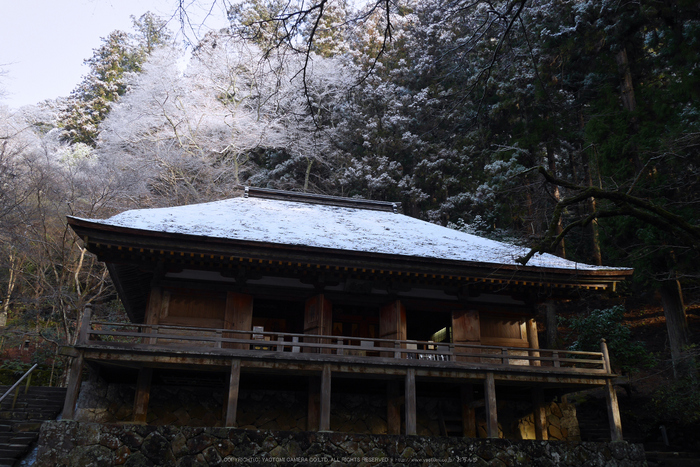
[(312, 225)]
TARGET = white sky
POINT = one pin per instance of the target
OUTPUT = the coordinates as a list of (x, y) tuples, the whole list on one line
[(43, 42)]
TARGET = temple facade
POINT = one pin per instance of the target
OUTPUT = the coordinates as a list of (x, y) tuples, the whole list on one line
[(289, 311)]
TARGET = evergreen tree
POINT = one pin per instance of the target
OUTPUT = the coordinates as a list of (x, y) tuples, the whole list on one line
[(119, 55)]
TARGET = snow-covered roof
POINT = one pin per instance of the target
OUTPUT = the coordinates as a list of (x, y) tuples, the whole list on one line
[(308, 224)]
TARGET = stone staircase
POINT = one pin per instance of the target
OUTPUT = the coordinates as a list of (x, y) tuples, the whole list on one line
[(593, 423), (450, 421), (19, 428), (660, 456)]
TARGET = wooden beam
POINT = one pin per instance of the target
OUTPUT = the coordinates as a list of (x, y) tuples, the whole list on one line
[(539, 414), (233, 387), (324, 423), (468, 411), (491, 406), (393, 407), (314, 406), (143, 394), (410, 403), (74, 380)]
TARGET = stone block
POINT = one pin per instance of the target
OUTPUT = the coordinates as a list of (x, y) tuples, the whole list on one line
[(121, 455), (526, 430), (554, 407), (157, 449), (96, 456), (199, 443), (212, 456), (179, 445), (225, 447), (554, 433), (109, 441), (137, 459)]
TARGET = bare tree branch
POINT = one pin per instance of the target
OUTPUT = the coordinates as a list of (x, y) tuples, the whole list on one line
[(626, 205)]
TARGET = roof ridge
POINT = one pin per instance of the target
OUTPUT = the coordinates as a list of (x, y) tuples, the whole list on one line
[(311, 198)]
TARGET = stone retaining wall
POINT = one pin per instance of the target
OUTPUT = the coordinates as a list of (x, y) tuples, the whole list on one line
[(76, 444)]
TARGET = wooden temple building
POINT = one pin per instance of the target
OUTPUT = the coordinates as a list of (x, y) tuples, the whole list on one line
[(326, 296)]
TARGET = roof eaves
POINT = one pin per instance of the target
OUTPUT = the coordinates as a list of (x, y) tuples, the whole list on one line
[(187, 244)]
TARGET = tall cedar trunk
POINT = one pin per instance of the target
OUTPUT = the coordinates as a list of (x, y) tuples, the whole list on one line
[(677, 326), (535, 230), (561, 249), (596, 254), (593, 226), (628, 100)]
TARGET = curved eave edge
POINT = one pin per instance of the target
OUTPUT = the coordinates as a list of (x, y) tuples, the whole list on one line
[(201, 243)]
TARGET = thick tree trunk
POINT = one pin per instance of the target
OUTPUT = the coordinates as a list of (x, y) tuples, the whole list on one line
[(677, 326)]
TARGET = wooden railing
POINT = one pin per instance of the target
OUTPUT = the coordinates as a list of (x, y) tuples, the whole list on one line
[(141, 336)]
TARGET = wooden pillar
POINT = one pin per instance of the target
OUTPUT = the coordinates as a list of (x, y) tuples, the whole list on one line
[(410, 402), (233, 387), (74, 380), (314, 408), (318, 319), (466, 329), (143, 394), (491, 406), (85, 325), (551, 324), (611, 397), (393, 408), (238, 316), (468, 411), (613, 412), (533, 341), (324, 423), (392, 324), (539, 414), (157, 304)]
